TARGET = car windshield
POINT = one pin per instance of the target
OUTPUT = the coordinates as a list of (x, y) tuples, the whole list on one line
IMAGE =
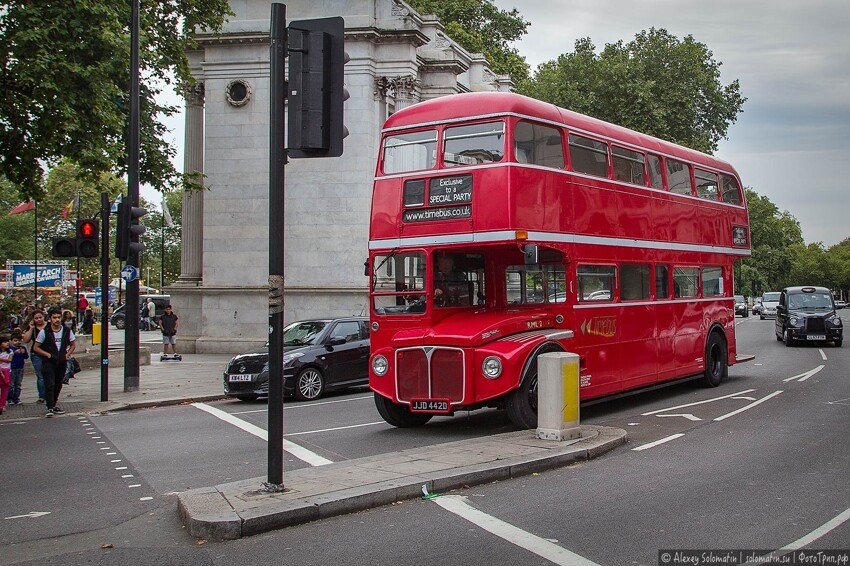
[(303, 333), (810, 301), (739, 298), (770, 297)]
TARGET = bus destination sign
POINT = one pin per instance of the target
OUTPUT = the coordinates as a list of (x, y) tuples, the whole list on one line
[(739, 236), (450, 190)]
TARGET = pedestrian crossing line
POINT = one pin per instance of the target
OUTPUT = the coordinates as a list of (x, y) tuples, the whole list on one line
[(294, 449)]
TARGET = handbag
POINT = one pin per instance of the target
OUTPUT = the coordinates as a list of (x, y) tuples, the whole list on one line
[(75, 366)]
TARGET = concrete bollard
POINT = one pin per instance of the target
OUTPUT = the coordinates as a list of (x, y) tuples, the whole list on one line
[(557, 396)]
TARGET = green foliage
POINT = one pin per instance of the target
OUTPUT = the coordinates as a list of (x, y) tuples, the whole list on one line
[(480, 27), (65, 72), (655, 84)]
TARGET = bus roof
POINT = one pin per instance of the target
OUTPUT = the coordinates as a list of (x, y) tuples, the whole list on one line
[(482, 104)]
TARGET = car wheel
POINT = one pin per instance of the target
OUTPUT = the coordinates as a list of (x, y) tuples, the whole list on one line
[(839, 342), (761, 317), (786, 337), (716, 367), (119, 323), (309, 385), (399, 415)]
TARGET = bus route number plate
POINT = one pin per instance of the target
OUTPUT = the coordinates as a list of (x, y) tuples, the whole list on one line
[(430, 406)]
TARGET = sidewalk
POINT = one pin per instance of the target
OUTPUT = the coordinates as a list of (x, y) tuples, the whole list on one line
[(244, 508), (196, 378)]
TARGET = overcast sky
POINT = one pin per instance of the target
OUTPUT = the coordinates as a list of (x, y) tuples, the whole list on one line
[(792, 58)]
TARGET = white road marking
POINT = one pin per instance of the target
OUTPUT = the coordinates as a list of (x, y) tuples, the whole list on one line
[(30, 515), (750, 406), (822, 354), (805, 375), (657, 442), (145, 498), (335, 428), (697, 402), (459, 505), (298, 451), (688, 416), (808, 539)]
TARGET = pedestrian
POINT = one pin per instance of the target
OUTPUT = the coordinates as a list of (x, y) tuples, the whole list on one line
[(145, 323), (17, 367), (56, 345), (151, 308), (5, 362), (168, 325), (34, 325), (82, 305), (88, 321), (68, 319)]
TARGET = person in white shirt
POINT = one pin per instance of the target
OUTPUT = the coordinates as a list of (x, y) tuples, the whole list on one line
[(55, 344)]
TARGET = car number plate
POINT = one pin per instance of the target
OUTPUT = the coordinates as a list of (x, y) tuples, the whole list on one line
[(240, 377), (430, 406), (816, 337)]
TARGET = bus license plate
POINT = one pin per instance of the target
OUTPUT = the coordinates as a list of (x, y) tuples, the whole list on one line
[(816, 337), (430, 406)]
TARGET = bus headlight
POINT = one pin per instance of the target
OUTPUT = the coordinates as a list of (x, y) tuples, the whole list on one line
[(492, 367), (379, 365)]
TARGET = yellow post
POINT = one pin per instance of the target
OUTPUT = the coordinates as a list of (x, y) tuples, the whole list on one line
[(558, 396), (95, 334)]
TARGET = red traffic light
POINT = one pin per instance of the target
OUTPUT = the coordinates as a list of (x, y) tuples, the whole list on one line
[(87, 229)]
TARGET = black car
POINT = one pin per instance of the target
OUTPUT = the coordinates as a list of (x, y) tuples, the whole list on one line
[(319, 355), (119, 315), (741, 307), (807, 313)]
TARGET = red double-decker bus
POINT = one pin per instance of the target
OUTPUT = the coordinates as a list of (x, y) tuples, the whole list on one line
[(503, 227)]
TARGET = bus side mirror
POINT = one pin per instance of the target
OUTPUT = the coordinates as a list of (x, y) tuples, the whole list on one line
[(366, 268), (530, 252)]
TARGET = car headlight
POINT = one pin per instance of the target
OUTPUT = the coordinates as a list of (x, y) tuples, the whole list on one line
[(834, 319), (492, 367), (794, 321), (379, 365), (289, 358)]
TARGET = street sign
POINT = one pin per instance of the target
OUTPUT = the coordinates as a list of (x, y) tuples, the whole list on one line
[(129, 273), (114, 208), (98, 296)]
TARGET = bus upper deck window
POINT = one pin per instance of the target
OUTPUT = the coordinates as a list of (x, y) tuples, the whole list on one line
[(654, 167), (588, 156), (731, 193), (413, 151), (474, 144), (628, 165), (707, 184), (679, 177), (539, 145)]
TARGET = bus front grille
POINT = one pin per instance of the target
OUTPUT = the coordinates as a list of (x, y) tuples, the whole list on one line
[(430, 373)]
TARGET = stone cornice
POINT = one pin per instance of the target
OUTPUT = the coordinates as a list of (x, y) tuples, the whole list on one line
[(371, 34)]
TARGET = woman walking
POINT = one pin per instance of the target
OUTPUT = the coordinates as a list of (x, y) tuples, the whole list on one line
[(34, 325)]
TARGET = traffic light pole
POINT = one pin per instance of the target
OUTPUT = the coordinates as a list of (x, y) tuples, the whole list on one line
[(105, 207), (131, 308), (277, 162)]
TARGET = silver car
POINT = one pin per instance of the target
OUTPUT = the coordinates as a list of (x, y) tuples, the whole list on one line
[(769, 302)]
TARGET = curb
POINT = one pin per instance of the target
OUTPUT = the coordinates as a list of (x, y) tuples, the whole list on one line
[(212, 513)]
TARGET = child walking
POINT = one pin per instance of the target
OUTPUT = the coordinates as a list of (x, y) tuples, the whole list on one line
[(5, 379), (17, 368)]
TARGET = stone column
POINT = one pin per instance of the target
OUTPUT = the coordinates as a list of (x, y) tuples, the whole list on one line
[(192, 237), (404, 90)]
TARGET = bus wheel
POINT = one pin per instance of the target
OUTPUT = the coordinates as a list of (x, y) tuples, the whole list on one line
[(521, 404), (716, 368), (399, 415)]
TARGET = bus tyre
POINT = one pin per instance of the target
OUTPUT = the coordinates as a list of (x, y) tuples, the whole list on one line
[(399, 415), (521, 404), (716, 367)]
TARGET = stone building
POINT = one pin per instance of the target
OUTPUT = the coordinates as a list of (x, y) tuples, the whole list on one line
[(398, 57)]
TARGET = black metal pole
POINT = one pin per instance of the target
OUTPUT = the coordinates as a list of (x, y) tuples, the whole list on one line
[(105, 207), (277, 161), (79, 281), (131, 308), (35, 256), (162, 248)]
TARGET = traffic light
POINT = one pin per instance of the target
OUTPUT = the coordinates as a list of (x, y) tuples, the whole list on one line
[(128, 231), (87, 238), (316, 90), (64, 247)]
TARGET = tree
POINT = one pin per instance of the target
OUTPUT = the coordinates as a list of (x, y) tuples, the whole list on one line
[(655, 84), (480, 27), (65, 69)]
